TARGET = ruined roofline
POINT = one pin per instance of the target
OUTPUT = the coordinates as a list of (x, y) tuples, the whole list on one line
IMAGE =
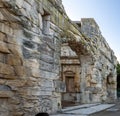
[(82, 20), (90, 20), (85, 20)]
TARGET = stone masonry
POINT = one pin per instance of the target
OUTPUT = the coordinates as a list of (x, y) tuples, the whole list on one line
[(33, 34)]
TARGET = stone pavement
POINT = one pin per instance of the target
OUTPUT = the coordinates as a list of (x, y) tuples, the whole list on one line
[(113, 111), (84, 110)]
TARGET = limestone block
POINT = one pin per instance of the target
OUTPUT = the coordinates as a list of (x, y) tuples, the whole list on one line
[(37, 39), (5, 28), (26, 53), (28, 105), (10, 39), (35, 72), (16, 83), (46, 83), (49, 89), (10, 77), (31, 83), (32, 54), (2, 57), (38, 93), (15, 49), (4, 88), (14, 100), (23, 91), (94, 90), (15, 107), (29, 44), (1, 27), (31, 2), (13, 60), (56, 101), (6, 69), (17, 113), (2, 82), (40, 9), (23, 12), (1, 5), (46, 66), (48, 75), (51, 31), (97, 90), (46, 26), (19, 3), (93, 81), (49, 39), (86, 97), (19, 70), (96, 97), (33, 63), (26, 6), (4, 48), (40, 23), (6, 94), (46, 58), (96, 76), (111, 80), (4, 113), (60, 86), (45, 104), (2, 36)]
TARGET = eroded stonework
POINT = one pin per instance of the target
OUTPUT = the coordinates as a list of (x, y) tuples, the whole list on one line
[(42, 51)]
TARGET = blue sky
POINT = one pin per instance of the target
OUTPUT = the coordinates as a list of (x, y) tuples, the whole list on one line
[(105, 12)]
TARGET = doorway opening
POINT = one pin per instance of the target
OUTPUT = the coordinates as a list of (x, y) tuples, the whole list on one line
[(70, 75)]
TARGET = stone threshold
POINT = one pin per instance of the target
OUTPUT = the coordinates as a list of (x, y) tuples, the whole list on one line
[(79, 107), (83, 110)]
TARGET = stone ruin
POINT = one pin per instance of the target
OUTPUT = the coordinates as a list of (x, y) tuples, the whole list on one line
[(48, 61)]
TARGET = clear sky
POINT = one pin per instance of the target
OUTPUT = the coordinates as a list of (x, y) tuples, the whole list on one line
[(105, 12)]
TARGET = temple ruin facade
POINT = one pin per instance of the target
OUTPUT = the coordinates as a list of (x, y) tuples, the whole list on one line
[(48, 62)]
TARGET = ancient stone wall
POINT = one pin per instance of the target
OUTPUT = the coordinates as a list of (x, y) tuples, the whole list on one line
[(31, 34), (100, 72)]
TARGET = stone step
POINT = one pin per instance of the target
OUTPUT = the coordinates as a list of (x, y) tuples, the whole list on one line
[(84, 110), (90, 110), (78, 107)]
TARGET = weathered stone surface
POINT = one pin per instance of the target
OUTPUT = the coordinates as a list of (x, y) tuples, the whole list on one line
[(33, 63), (16, 83), (6, 94), (19, 70), (13, 60), (4, 48), (60, 86), (6, 69), (15, 113), (2, 36), (43, 53)]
